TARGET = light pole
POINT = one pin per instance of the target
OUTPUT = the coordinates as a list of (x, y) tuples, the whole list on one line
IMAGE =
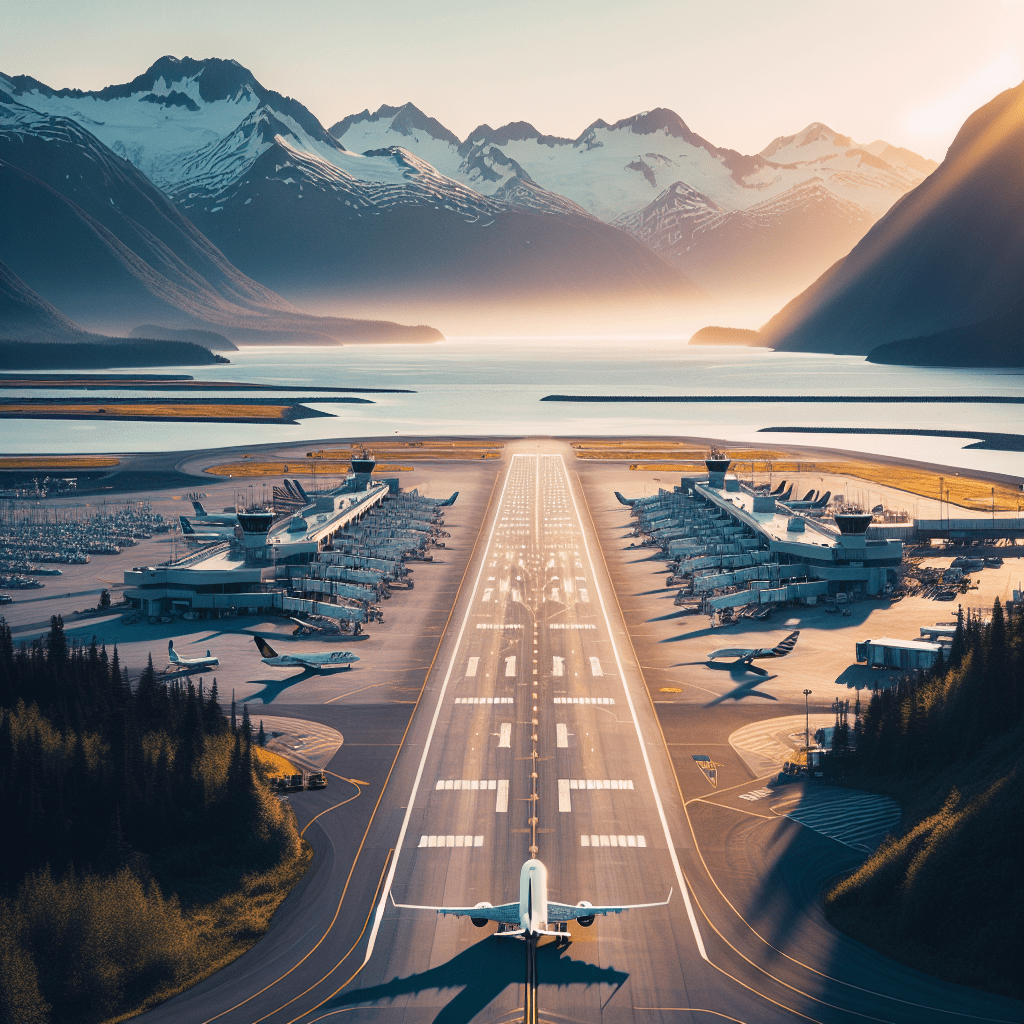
[(807, 721)]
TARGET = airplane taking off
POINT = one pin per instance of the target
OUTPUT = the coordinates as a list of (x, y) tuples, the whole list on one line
[(745, 655), (315, 660), (175, 659), (534, 910)]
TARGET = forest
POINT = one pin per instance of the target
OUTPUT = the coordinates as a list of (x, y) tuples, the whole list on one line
[(140, 816), (945, 893), (103, 354)]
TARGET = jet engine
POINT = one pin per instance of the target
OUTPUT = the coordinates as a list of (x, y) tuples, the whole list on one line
[(480, 921), (585, 922)]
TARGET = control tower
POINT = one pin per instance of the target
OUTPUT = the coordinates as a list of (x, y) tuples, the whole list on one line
[(255, 523), (363, 465), (718, 465)]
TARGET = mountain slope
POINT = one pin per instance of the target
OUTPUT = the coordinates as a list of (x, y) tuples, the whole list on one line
[(298, 210), (27, 316), (948, 254), (770, 221), (300, 222), (89, 232)]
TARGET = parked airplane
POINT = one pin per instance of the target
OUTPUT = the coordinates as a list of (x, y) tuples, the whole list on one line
[(745, 656), (214, 533), (175, 659), (217, 519), (811, 503), (534, 910), (322, 626), (315, 660)]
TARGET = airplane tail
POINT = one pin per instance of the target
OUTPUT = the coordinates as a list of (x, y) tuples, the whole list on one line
[(809, 496), (302, 493), (265, 649), (823, 500), (786, 645), (624, 501), (186, 526), (198, 506), (172, 654), (780, 488)]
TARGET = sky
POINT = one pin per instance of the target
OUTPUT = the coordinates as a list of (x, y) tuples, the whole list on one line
[(739, 72)]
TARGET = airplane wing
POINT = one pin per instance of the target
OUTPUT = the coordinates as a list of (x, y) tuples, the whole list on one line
[(507, 913), (732, 652), (564, 912)]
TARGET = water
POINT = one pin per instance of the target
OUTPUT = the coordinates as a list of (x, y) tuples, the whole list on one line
[(477, 386)]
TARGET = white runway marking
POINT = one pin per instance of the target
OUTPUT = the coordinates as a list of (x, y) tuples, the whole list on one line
[(558, 666), (756, 794), (487, 594), (471, 667), (499, 625), (561, 735), (571, 625), (564, 799), (609, 840), (595, 667), (567, 584), (600, 783), (450, 841), (510, 666), (485, 700), (474, 784), (501, 803), (584, 596), (584, 700), (554, 594), (505, 735)]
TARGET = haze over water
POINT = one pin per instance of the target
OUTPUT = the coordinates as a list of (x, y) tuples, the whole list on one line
[(493, 386)]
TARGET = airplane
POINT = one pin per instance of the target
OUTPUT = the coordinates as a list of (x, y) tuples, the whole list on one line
[(534, 910), (810, 504), (315, 660), (215, 533), (744, 656), (227, 519), (208, 662), (325, 628)]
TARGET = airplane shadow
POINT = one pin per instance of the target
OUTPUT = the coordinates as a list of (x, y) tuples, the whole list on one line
[(707, 631), (480, 974), (273, 688)]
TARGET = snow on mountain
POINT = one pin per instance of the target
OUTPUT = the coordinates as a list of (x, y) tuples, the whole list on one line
[(616, 171), (367, 184), (90, 233), (161, 119)]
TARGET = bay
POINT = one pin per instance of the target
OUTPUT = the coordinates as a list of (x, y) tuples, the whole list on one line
[(494, 386)]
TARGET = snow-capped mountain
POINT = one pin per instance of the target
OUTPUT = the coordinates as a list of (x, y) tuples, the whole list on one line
[(943, 267), (801, 203), (90, 233), (249, 167), (615, 171), (160, 120)]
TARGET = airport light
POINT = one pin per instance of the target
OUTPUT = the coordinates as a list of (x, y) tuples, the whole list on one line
[(807, 720)]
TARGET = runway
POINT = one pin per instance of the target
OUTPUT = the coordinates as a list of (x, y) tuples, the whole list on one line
[(536, 676)]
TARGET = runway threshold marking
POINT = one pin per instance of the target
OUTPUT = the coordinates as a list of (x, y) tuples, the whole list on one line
[(636, 725)]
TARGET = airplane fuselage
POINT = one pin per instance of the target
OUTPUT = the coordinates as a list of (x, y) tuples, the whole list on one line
[(327, 659), (533, 897)]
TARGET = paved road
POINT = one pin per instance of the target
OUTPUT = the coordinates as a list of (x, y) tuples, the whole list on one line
[(537, 658)]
